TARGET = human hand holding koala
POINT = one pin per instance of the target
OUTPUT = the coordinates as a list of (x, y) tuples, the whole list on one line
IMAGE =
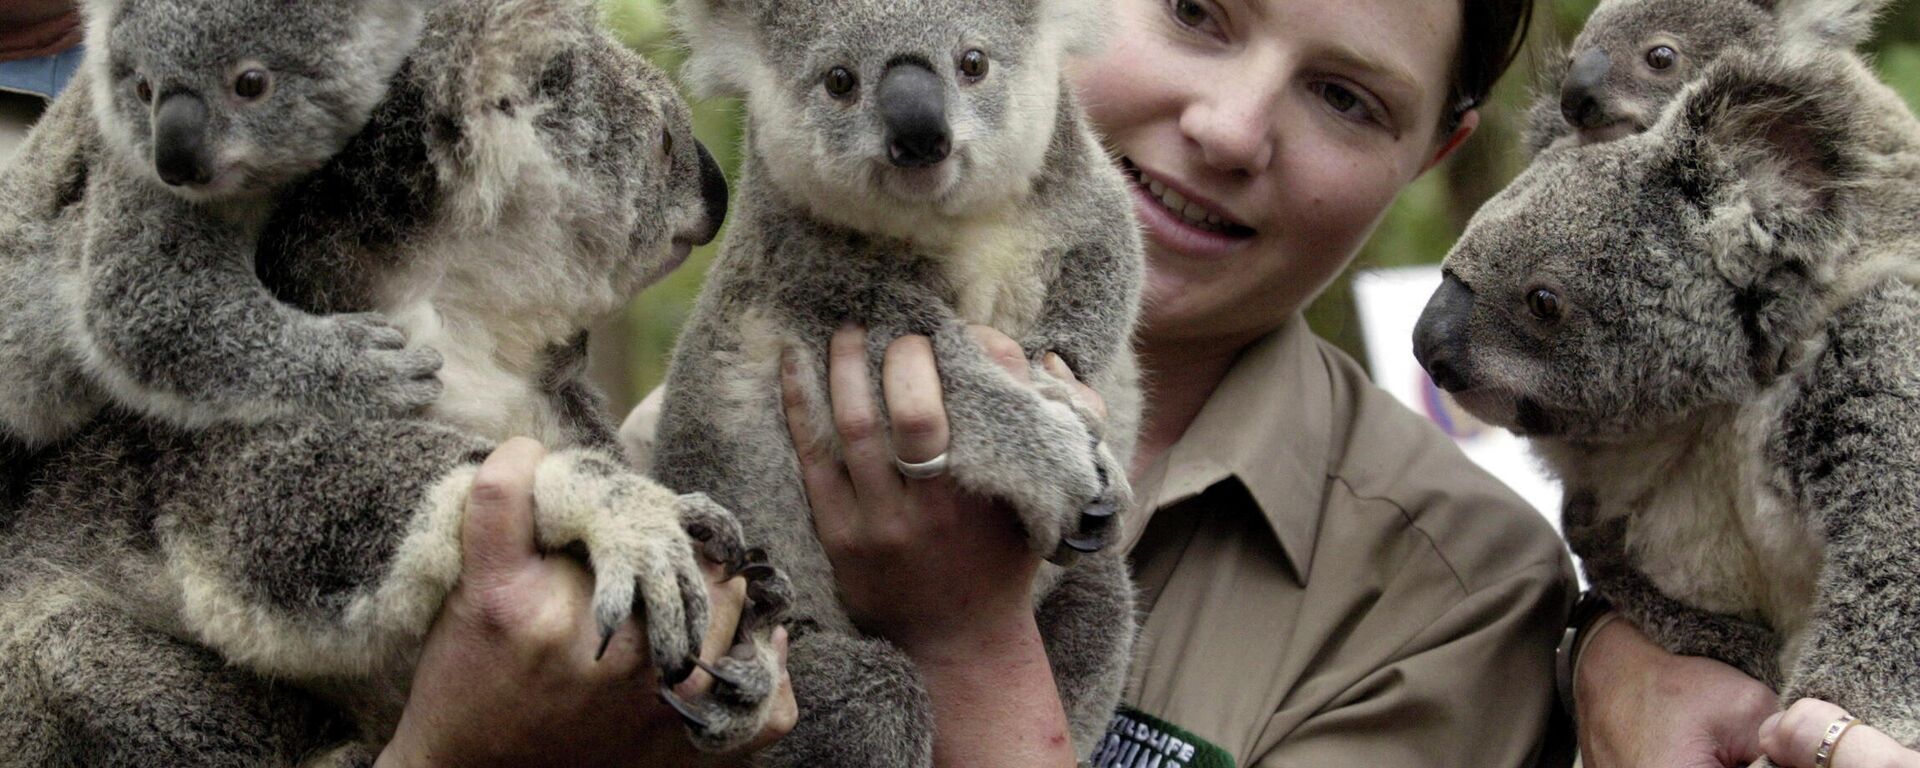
[(527, 620)]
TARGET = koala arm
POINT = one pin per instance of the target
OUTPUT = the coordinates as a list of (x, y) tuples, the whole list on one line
[(1679, 628), (582, 409), (176, 325), (1849, 442), (321, 549), (1088, 315)]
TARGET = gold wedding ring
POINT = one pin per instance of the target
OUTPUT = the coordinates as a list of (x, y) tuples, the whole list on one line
[(1835, 730)]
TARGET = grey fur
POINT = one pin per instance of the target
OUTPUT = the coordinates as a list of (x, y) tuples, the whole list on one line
[(1031, 233), (1632, 93), (514, 184), (152, 301), (1728, 387)]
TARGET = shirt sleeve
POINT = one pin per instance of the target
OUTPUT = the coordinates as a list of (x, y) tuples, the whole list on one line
[(1473, 688)]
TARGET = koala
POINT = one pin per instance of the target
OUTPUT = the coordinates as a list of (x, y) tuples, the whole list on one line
[(1634, 55), (207, 111), (1710, 332), (256, 593), (912, 167)]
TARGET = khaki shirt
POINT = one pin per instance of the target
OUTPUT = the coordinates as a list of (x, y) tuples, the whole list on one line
[(1328, 581)]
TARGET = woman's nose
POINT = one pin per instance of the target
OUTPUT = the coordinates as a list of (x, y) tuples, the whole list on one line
[(1234, 131)]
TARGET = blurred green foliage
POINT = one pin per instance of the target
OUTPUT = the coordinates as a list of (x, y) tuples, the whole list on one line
[(1419, 228)]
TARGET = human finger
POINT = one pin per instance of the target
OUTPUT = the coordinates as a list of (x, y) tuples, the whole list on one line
[(1002, 350), (496, 535), (828, 490), (1089, 399), (728, 597), (917, 414), (869, 456), (785, 713)]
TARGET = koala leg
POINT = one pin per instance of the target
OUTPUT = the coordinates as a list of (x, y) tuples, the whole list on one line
[(1680, 628), (1011, 441), (1087, 621), (84, 685), (862, 705), (175, 323)]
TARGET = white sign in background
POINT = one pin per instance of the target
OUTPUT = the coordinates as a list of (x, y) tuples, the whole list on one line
[(1390, 301)]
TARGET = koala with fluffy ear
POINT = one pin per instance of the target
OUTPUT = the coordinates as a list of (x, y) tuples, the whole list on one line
[(256, 594), (207, 111), (1634, 55), (913, 166), (1710, 331)]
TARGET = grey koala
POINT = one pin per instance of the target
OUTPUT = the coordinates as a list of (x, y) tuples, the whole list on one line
[(914, 166), (1710, 331), (207, 110), (1632, 56), (256, 594)]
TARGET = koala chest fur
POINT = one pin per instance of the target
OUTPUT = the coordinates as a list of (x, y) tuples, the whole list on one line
[(1708, 520), (994, 270)]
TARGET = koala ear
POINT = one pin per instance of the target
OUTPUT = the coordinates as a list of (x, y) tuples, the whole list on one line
[(1764, 141), (1082, 25), (1837, 23), (723, 45)]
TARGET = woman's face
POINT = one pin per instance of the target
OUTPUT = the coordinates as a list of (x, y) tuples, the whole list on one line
[(1266, 138)]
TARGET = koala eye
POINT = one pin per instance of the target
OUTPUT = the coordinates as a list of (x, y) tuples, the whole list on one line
[(1662, 57), (973, 64), (840, 82), (1544, 304), (143, 91), (252, 84)]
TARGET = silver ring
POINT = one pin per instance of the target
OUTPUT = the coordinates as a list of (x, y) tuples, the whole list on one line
[(925, 470)]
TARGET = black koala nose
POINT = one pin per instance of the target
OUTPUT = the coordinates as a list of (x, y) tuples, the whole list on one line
[(180, 152), (713, 193), (913, 104), (1440, 338), (1579, 93)]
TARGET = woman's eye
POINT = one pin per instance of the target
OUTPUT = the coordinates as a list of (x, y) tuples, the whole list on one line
[(1347, 102), (1195, 15)]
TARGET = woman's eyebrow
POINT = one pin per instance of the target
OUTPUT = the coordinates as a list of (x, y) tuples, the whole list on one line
[(1397, 82)]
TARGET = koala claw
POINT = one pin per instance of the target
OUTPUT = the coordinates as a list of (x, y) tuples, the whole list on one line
[(720, 676), (606, 639), (686, 712)]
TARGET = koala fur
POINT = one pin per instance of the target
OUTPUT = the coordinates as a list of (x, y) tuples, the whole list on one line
[(928, 194), (155, 306), (1614, 79), (255, 594), (1711, 333)]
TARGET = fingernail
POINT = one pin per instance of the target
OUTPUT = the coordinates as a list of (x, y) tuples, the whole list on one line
[(1057, 366)]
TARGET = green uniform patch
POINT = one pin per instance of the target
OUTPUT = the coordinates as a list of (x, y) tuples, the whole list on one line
[(1138, 740)]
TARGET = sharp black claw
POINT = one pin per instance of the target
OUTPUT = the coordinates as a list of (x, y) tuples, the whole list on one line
[(759, 572), (606, 639), (693, 719), (678, 674), (1099, 510), (1085, 545), (700, 531), (730, 680)]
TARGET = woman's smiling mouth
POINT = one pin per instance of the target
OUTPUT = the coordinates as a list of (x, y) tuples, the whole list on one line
[(1178, 220)]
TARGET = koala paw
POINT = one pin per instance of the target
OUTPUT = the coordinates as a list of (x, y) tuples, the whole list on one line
[(376, 374), (642, 558), (736, 708), (1093, 528)]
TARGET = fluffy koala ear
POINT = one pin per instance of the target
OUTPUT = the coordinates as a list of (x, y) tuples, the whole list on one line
[(1082, 24), (1837, 23), (723, 46), (480, 64), (1765, 141)]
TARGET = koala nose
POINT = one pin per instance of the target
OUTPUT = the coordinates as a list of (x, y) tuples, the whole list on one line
[(180, 140), (1440, 338), (713, 192), (913, 104), (1579, 99)]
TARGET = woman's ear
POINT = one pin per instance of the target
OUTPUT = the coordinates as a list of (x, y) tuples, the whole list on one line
[(1469, 120)]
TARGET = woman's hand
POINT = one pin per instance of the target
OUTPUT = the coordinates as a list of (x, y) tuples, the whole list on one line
[(508, 675), (1641, 707), (1791, 738), (945, 576)]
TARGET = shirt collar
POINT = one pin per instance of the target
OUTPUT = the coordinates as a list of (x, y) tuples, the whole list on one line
[(1267, 426), (42, 76)]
